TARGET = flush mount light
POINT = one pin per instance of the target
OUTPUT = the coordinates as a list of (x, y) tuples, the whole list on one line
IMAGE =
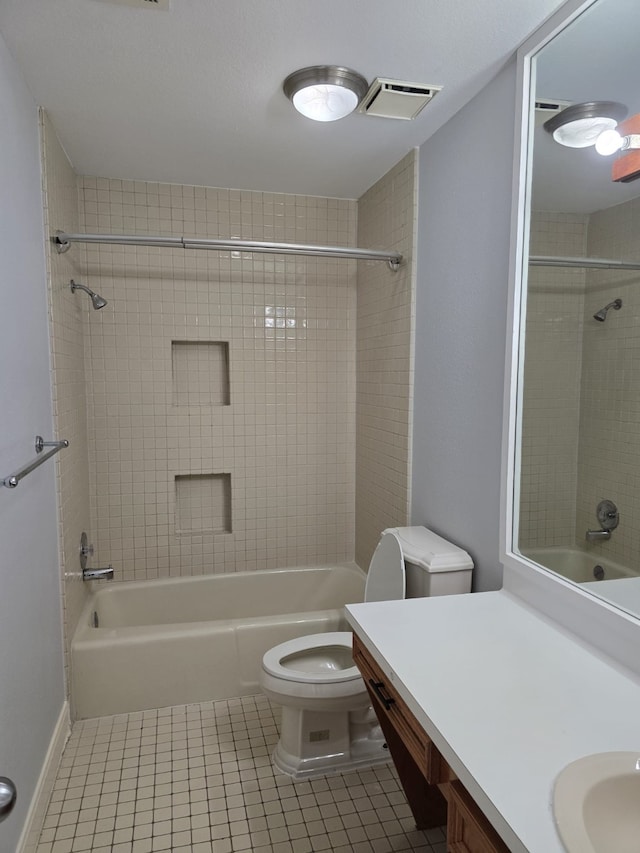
[(325, 92), (580, 125)]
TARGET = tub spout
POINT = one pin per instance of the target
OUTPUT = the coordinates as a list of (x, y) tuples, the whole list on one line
[(105, 574), (598, 535)]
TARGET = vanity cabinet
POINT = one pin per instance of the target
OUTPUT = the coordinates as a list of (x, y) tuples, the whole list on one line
[(435, 795)]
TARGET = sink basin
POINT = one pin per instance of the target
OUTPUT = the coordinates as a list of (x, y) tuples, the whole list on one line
[(596, 803)]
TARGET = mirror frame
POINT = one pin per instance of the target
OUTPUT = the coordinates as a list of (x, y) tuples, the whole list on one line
[(596, 621)]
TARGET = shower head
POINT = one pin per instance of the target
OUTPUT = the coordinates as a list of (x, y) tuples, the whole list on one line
[(96, 300), (601, 315)]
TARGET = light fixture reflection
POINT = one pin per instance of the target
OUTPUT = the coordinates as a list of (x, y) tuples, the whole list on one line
[(611, 141), (581, 125), (325, 92)]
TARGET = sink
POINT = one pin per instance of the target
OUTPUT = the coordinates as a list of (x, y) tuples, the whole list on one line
[(596, 803)]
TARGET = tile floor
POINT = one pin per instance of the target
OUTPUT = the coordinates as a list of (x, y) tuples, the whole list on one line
[(199, 778)]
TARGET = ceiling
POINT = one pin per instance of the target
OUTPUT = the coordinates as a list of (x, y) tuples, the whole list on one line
[(193, 95)]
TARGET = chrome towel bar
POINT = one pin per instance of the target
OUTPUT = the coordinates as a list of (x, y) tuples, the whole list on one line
[(13, 479)]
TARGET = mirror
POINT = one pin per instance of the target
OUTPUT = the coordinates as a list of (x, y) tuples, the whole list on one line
[(579, 387)]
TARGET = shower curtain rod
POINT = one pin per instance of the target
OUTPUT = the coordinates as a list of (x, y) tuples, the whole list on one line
[(63, 242), (593, 263)]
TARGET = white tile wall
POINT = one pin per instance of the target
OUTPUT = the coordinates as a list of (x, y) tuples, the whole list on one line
[(67, 312), (286, 439), (386, 320)]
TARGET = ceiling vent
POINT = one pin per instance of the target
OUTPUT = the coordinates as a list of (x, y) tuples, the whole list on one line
[(546, 108), (396, 98), (142, 4)]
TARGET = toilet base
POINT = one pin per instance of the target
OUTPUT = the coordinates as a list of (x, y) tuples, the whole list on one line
[(316, 743)]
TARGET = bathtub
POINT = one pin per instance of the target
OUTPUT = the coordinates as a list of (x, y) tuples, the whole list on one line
[(579, 566), (151, 644)]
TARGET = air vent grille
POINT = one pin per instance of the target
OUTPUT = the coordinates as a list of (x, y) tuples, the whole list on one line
[(397, 98), (547, 107)]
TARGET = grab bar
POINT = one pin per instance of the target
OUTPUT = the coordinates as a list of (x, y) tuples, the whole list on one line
[(13, 479)]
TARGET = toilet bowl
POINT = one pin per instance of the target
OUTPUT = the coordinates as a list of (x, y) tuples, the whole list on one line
[(328, 725)]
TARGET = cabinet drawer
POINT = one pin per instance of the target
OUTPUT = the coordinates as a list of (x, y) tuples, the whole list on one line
[(468, 830), (389, 702)]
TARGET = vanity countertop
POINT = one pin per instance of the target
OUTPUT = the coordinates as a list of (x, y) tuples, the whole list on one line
[(507, 696)]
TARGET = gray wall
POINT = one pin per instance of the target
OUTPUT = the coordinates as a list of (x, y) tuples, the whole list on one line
[(31, 670), (463, 263)]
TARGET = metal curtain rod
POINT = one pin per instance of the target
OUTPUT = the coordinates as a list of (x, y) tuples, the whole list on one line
[(63, 242), (593, 263), (13, 479)]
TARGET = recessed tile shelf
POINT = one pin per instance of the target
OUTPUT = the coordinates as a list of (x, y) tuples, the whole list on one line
[(200, 373), (203, 503)]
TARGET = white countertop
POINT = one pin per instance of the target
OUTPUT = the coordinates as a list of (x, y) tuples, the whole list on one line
[(507, 696)]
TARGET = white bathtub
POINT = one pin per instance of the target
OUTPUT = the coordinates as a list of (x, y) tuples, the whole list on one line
[(183, 640), (577, 565)]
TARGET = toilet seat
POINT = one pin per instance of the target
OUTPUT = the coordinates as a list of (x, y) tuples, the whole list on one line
[(274, 661)]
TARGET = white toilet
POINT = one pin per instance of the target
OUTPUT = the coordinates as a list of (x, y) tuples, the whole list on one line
[(328, 725)]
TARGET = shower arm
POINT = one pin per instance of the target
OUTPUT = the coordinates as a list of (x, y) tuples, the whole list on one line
[(62, 242)]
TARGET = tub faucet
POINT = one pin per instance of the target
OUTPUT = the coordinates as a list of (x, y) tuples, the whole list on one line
[(597, 535), (105, 574)]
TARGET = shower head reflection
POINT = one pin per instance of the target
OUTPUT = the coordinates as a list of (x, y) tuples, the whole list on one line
[(601, 315)]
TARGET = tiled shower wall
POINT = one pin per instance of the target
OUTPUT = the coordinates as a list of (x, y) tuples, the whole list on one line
[(386, 314), (551, 404), (609, 459), (220, 386), (67, 325)]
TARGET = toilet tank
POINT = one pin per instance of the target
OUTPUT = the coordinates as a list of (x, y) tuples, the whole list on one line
[(433, 565)]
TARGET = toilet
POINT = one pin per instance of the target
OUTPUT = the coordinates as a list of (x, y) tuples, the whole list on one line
[(328, 724)]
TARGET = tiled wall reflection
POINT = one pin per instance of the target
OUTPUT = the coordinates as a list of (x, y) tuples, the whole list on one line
[(609, 459), (551, 402), (581, 441), (386, 318), (286, 437)]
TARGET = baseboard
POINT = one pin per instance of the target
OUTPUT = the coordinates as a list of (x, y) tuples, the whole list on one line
[(37, 809)]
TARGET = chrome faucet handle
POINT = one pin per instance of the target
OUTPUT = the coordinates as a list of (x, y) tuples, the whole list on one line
[(608, 515)]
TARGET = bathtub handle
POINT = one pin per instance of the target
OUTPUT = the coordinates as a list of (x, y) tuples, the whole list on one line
[(377, 687)]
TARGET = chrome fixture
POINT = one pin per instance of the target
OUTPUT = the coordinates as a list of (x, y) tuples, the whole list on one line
[(7, 797), (601, 315), (63, 241), (105, 574), (13, 479), (609, 519), (86, 551), (325, 92), (580, 125), (597, 535), (586, 263), (96, 300)]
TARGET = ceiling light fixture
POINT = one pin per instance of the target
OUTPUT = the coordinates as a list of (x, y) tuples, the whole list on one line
[(325, 92), (580, 125)]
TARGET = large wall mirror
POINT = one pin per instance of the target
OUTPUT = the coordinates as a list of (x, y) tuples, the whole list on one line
[(577, 504)]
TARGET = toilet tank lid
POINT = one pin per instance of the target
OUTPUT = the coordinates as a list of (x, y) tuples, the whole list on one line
[(426, 549)]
